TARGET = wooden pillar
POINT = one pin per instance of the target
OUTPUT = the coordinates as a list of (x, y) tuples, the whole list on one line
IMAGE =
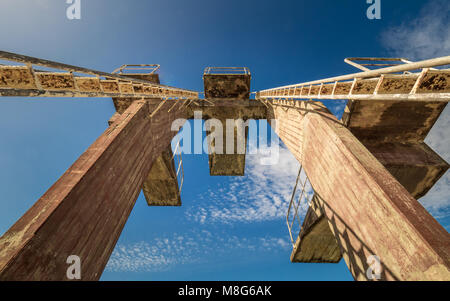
[(84, 212), (369, 211)]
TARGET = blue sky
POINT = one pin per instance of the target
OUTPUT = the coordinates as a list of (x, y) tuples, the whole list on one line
[(228, 228)]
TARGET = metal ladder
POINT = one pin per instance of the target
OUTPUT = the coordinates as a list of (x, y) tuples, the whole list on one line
[(395, 81), (179, 166), (295, 204)]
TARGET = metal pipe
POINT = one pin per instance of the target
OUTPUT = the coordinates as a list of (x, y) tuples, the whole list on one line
[(65, 93), (443, 97), (445, 60)]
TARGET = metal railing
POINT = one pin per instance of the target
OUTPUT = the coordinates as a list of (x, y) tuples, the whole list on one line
[(226, 71), (179, 166), (375, 62), (429, 84), (295, 204), (29, 82), (148, 69)]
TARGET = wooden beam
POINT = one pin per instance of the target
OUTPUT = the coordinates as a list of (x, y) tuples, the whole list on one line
[(84, 212)]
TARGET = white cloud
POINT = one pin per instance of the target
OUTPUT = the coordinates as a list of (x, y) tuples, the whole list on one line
[(165, 253), (424, 37), (437, 200), (160, 255), (263, 194)]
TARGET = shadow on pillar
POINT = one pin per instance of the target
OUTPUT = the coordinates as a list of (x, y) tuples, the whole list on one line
[(161, 186), (316, 241)]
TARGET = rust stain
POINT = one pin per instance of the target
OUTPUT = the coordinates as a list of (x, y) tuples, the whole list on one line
[(327, 89), (110, 86), (366, 86), (343, 88), (397, 84), (88, 84), (435, 81), (126, 88), (236, 86)]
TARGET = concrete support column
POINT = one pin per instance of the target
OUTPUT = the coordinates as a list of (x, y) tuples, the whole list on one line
[(84, 212), (368, 210)]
